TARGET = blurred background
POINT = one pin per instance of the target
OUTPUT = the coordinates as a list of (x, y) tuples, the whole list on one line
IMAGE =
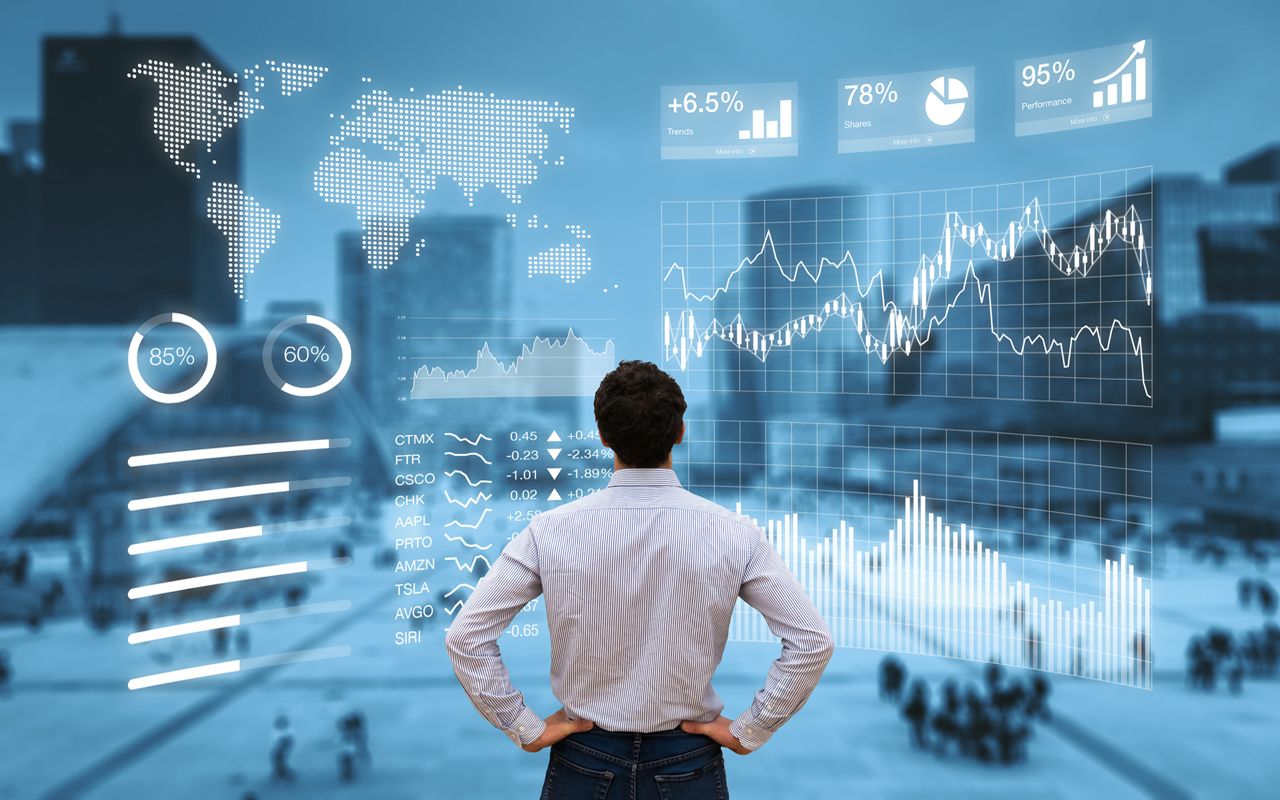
[(372, 259)]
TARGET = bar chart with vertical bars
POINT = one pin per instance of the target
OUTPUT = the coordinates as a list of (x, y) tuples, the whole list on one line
[(1126, 83), (729, 120), (762, 128), (1029, 551)]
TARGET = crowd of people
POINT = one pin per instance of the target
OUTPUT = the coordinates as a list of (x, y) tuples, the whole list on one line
[(990, 724), (1219, 653)]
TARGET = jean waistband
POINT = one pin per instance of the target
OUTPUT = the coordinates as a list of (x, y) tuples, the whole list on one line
[(645, 750), (676, 731)]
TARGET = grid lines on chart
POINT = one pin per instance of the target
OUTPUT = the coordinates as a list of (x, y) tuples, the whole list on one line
[(1037, 290)]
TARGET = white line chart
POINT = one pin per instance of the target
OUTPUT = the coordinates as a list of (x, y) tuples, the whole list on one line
[(479, 437), (470, 455), (1040, 290), (457, 472), (469, 545), (469, 566), (480, 497), (453, 523)]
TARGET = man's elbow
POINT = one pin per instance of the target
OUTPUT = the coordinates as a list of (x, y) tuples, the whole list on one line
[(823, 646), (455, 643)]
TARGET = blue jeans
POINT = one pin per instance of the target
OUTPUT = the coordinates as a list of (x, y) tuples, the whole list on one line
[(667, 765)]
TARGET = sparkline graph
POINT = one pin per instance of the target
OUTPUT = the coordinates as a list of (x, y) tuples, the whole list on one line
[(1032, 551), (1033, 291), (545, 367)]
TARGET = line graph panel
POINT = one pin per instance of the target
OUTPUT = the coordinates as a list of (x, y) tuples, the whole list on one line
[(550, 366), (1033, 551), (1037, 290)]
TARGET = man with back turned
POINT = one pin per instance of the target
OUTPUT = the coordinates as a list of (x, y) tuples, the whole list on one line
[(640, 580)]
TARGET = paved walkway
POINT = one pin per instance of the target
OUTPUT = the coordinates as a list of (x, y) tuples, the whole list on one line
[(80, 733)]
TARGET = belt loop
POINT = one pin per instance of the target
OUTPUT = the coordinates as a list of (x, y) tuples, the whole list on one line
[(635, 746)]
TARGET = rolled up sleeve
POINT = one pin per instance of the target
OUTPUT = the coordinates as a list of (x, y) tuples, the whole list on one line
[(472, 640), (770, 588)]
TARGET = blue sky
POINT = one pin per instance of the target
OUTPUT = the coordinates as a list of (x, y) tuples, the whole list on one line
[(1213, 87)]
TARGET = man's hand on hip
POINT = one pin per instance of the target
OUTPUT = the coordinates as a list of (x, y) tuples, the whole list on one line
[(718, 731), (558, 727)]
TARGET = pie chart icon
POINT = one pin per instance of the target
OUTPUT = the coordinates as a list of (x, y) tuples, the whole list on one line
[(946, 101)]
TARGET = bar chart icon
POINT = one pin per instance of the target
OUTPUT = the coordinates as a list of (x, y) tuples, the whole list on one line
[(1127, 83), (762, 128)]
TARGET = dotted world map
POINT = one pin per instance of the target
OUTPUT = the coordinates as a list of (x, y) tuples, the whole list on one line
[(386, 157)]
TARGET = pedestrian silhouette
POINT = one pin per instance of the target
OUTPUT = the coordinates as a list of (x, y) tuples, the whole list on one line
[(946, 723), (219, 641), (360, 735), (893, 676), (353, 741), (50, 596), (1267, 600), (1200, 667), (281, 745), (1235, 675), (993, 674), (916, 712), (1038, 699), (976, 732), (346, 758), (1244, 591), (21, 567), (6, 674)]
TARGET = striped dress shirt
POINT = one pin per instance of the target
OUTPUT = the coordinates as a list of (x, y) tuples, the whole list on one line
[(640, 580)]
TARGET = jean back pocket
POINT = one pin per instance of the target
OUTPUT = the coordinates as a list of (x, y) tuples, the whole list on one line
[(569, 781), (704, 783)]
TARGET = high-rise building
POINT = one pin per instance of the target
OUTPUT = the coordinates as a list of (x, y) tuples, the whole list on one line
[(1261, 166), (123, 232), (1217, 292), (1186, 207), (450, 290), (20, 180)]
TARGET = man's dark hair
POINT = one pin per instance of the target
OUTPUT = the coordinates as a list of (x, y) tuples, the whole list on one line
[(640, 411)]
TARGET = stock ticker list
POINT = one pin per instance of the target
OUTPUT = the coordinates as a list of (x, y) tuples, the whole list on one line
[(460, 496)]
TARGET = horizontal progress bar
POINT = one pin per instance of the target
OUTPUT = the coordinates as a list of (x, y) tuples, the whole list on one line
[(231, 534), (188, 674), (185, 628), (237, 665), (237, 620), (236, 451), (231, 492), (219, 578)]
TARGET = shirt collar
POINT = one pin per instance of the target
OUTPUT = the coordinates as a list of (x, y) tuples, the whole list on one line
[(644, 477)]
